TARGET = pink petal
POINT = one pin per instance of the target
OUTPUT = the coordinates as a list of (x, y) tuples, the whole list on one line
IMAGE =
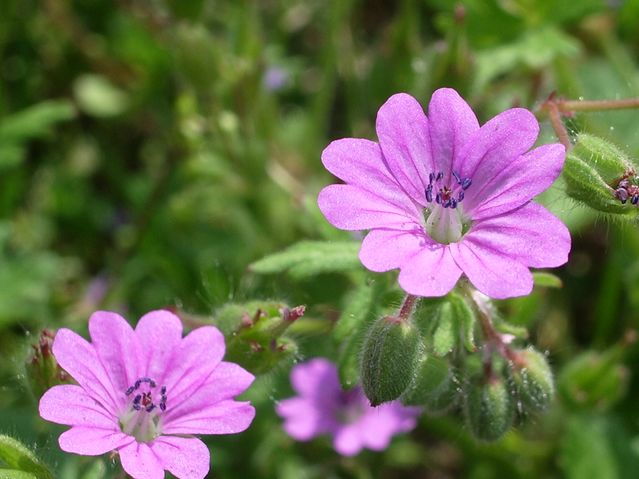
[(159, 334), (91, 441), (491, 272), (402, 129), (452, 122), (225, 382), (360, 163), (302, 418), (526, 177), (351, 208), (117, 348), (380, 424), (224, 417), (383, 249), (531, 235), (198, 355), (430, 272), (496, 145), (347, 440), (77, 357), (71, 405), (140, 462), (185, 458), (316, 376)]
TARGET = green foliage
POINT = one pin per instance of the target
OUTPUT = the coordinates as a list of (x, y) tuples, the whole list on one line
[(489, 409), (533, 380), (18, 461)]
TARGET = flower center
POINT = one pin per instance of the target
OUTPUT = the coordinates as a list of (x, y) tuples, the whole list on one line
[(443, 220), (628, 188), (143, 411), (351, 406)]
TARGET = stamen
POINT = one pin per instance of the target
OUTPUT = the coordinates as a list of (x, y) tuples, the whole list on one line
[(635, 199), (465, 183), (440, 175), (431, 178), (438, 198), (460, 196), (457, 179), (453, 203)]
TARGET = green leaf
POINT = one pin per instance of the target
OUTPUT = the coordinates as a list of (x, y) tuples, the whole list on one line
[(36, 121), (14, 474), (358, 307), (98, 97), (465, 319), (18, 456), (546, 280), (309, 258), (445, 333)]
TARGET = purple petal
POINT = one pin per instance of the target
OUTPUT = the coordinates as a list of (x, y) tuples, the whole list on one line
[(380, 424), (451, 122), (531, 235), (91, 441), (360, 163), (225, 382), (185, 458), (496, 145), (117, 348), (140, 462), (383, 250), (526, 177), (347, 440), (224, 417), (159, 334), (430, 272), (198, 355), (402, 129), (351, 208), (314, 378), (304, 419), (493, 273), (77, 357), (71, 405)]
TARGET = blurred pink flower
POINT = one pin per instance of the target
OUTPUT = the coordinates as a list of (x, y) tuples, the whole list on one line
[(443, 196), (143, 393), (322, 407)]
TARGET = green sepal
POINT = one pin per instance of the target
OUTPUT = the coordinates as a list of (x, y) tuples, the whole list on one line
[(434, 388), (488, 409), (20, 458), (546, 280), (533, 380), (390, 355)]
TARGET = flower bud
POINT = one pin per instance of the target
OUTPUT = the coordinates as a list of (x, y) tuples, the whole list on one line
[(434, 386), (601, 176), (489, 409), (43, 371), (390, 354), (533, 380)]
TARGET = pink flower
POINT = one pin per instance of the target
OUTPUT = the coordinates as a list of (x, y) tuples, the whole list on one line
[(322, 407), (443, 196), (143, 393)]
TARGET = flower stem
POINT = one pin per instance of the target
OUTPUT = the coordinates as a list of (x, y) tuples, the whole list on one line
[(568, 106), (555, 120), (407, 307)]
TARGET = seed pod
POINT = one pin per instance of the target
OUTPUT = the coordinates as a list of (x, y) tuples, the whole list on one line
[(489, 409), (390, 354), (434, 386), (533, 380), (601, 176)]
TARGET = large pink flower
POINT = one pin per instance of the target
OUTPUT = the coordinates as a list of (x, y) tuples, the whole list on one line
[(443, 196), (144, 393)]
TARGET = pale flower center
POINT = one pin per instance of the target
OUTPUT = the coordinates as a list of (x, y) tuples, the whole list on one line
[(444, 219), (351, 406), (146, 403)]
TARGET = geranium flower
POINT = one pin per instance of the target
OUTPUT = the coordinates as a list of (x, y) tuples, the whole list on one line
[(443, 196), (322, 407), (143, 393)]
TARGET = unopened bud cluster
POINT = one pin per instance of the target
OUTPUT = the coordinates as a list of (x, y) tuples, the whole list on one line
[(430, 359), (43, 371)]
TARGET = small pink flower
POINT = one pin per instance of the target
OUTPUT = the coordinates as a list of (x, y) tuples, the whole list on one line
[(443, 197), (144, 393), (322, 407)]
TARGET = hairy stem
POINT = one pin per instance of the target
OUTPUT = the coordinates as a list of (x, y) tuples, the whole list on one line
[(407, 307)]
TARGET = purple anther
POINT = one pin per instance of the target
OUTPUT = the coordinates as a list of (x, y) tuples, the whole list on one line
[(431, 178), (163, 406), (150, 407), (130, 390), (447, 203), (152, 383), (457, 179), (635, 199), (465, 183), (460, 196), (624, 184), (137, 399), (440, 175), (453, 203), (621, 194), (163, 390), (137, 384), (438, 198), (137, 407), (429, 194)]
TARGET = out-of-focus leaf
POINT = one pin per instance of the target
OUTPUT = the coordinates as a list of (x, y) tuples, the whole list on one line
[(98, 97), (14, 474), (308, 258), (34, 122), (19, 457), (546, 280)]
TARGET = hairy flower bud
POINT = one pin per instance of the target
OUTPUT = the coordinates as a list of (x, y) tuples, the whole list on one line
[(489, 409), (533, 380), (389, 358), (43, 371), (600, 175), (434, 386)]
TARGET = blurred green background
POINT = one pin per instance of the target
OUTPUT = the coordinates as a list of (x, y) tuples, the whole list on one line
[(150, 150)]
